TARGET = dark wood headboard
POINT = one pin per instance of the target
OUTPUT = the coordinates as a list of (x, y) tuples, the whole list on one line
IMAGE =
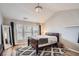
[(54, 34)]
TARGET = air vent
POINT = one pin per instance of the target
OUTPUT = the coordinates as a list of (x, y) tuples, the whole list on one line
[(25, 18)]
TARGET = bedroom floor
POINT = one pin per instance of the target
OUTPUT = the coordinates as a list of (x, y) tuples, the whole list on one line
[(12, 51)]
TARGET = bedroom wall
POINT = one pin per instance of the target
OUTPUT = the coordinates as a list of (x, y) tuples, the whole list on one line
[(66, 23)]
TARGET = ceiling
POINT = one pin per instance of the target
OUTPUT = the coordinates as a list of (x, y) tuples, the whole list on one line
[(26, 11)]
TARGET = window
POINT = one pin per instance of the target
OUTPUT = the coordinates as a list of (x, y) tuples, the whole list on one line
[(35, 30), (24, 31), (19, 31), (27, 31)]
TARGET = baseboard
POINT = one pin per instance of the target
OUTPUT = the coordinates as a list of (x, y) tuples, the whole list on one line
[(73, 50), (70, 45)]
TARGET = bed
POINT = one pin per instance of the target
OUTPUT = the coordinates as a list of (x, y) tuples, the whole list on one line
[(43, 40)]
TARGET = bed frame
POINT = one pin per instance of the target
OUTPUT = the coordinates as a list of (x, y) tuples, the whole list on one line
[(34, 42)]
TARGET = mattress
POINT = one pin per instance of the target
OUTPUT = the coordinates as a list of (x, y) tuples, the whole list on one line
[(51, 39)]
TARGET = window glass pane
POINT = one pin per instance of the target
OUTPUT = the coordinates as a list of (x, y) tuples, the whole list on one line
[(19, 31), (19, 36), (19, 27), (27, 29), (26, 35), (35, 30)]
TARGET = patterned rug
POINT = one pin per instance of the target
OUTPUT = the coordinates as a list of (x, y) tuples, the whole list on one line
[(46, 51)]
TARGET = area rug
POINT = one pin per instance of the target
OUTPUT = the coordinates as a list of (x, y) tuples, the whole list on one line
[(47, 51)]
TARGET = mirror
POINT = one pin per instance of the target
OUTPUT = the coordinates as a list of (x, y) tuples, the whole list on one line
[(7, 37)]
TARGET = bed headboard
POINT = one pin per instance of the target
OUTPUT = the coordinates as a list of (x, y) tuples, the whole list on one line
[(54, 34)]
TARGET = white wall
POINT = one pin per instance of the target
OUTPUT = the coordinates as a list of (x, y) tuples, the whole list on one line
[(66, 23), (0, 26), (64, 19)]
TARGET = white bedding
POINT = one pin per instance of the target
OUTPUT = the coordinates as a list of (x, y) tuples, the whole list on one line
[(51, 39)]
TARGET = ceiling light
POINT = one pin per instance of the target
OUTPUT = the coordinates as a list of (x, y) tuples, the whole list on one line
[(38, 8)]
